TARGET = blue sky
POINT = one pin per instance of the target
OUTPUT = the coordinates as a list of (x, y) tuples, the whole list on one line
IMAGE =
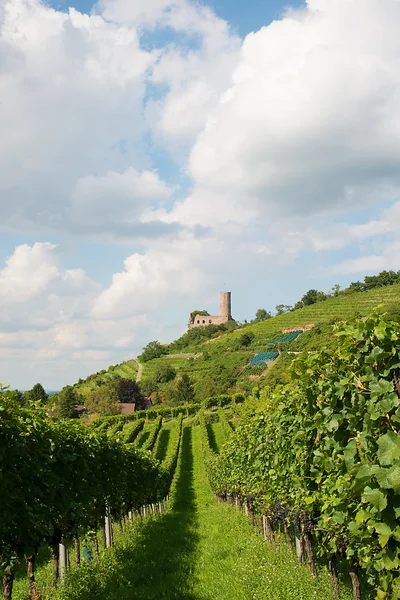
[(155, 152)]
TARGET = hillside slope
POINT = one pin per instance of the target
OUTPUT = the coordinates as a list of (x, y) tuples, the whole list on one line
[(222, 363)]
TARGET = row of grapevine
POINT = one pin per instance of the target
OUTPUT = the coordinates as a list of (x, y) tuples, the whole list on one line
[(131, 431), (223, 400), (169, 464), (58, 481), (324, 457), (148, 414), (225, 423), (151, 440)]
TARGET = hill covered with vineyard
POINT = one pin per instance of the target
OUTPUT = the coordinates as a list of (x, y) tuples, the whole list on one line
[(217, 360)]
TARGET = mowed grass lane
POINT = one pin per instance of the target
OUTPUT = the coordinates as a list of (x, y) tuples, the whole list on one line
[(198, 550)]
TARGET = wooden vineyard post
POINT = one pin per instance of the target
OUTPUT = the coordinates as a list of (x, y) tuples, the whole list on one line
[(335, 578), (310, 553), (264, 526), (8, 581), (56, 559), (30, 569), (63, 553), (287, 534), (355, 581), (269, 529), (299, 548), (107, 528), (77, 550), (103, 536)]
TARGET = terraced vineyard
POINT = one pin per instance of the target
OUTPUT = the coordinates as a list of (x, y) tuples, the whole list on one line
[(127, 370), (198, 549), (222, 364)]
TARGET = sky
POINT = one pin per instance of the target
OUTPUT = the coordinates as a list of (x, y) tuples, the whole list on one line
[(154, 153)]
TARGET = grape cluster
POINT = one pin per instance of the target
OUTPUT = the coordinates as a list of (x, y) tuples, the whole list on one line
[(279, 512), (308, 523)]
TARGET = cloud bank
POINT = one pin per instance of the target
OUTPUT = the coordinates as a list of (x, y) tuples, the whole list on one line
[(152, 124)]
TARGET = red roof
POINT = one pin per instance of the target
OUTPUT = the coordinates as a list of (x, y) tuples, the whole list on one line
[(127, 408)]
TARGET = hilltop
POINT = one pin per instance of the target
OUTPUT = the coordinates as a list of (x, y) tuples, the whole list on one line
[(217, 358)]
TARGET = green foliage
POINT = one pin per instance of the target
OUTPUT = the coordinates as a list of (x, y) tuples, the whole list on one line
[(262, 315), (327, 447), (225, 423), (184, 392), (282, 309), (164, 373), (103, 400), (36, 394), (41, 495), (66, 400), (152, 350), (151, 440), (131, 430), (193, 337), (278, 373), (310, 297), (246, 339)]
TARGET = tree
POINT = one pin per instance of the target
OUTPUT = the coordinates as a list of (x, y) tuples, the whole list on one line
[(66, 400), (281, 309), (184, 392), (152, 350), (128, 391), (37, 394), (335, 291), (103, 400), (246, 339), (19, 397), (262, 314), (310, 297), (148, 386), (203, 313), (164, 373)]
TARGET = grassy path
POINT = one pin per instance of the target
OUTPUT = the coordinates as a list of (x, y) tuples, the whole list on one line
[(216, 437), (145, 433), (161, 447), (198, 550)]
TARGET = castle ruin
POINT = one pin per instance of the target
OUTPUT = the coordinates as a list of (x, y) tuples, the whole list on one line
[(224, 316)]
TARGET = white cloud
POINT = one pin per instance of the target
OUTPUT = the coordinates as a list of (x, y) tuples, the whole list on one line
[(77, 92), (310, 123), (27, 272), (72, 90), (121, 197), (299, 121), (389, 259)]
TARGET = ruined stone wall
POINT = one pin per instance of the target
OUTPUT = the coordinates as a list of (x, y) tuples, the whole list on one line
[(202, 320)]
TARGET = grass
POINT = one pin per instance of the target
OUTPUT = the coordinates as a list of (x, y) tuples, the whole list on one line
[(161, 448), (225, 364), (197, 550), (215, 436), (145, 433), (223, 353)]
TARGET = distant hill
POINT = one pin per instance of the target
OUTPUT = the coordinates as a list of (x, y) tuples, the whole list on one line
[(222, 363)]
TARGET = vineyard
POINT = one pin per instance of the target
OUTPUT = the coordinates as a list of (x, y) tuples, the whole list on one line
[(222, 364), (285, 492)]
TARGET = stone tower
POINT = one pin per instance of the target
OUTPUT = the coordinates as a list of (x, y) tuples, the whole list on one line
[(225, 309), (225, 313)]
